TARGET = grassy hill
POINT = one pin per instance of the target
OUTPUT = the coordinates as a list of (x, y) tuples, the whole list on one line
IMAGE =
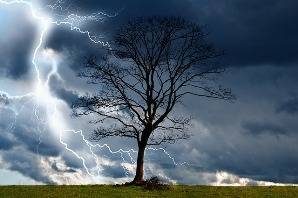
[(121, 191)]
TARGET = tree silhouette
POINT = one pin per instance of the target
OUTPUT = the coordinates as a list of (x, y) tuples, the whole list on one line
[(154, 63)]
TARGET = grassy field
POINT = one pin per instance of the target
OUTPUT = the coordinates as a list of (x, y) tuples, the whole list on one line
[(116, 191)]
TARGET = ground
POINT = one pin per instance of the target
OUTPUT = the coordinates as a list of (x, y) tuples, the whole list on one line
[(124, 191)]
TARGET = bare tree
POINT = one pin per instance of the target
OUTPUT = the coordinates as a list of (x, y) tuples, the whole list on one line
[(154, 64)]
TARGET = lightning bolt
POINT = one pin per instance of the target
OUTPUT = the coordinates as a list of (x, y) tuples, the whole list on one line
[(42, 90)]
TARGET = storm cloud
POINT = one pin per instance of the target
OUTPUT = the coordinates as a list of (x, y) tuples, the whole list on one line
[(290, 106), (16, 46), (258, 128), (250, 32)]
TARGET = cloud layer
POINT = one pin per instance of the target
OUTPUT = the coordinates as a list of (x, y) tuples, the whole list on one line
[(253, 139)]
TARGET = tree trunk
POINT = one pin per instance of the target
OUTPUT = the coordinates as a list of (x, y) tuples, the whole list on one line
[(139, 177)]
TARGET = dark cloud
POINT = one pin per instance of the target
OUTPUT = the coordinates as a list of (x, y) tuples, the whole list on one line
[(72, 162), (6, 124), (251, 32), (247, 138), (75, 46), (27, 164), (33, 140), (131, 8), (115, 171), (23, 142), (263, 158), (5, 143), (290, 106), (16, 44), (70, 97), (261, 127)]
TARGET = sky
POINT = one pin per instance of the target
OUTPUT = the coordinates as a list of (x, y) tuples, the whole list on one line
[(252, 140)]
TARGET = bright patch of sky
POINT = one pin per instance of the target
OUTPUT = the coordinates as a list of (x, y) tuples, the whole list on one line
[(8, 177)]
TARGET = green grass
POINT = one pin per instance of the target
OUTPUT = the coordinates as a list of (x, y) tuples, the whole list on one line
[(121, 191)]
